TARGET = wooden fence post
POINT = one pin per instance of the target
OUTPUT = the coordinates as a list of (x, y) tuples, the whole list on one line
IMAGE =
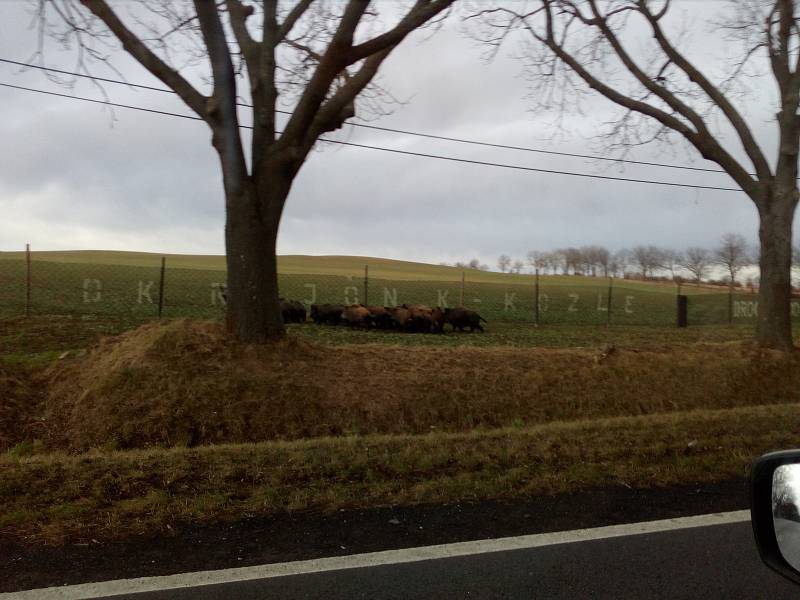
[(161, 286), (608, 301), (683, 310), (366, 285), (27, 280), (536, 298), (730, 304)]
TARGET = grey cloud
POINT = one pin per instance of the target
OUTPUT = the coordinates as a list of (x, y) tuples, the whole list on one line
[(70, 179)]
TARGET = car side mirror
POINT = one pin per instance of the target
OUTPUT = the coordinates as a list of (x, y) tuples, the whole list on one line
[(775, 511)]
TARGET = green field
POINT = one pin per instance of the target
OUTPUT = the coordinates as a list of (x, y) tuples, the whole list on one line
[(126, 285)]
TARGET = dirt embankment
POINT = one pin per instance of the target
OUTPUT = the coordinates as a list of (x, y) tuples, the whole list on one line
[(185, 383)]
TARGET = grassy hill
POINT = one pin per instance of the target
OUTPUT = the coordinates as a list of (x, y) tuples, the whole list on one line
[(126, 284), (343, 266)]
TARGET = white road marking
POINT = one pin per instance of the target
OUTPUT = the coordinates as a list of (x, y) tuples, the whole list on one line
[(372, 559)]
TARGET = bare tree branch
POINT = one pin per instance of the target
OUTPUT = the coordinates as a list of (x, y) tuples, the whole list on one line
[(134, 46)]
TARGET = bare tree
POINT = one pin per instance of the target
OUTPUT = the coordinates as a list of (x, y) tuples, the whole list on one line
[(594, 257), (647, 258), (732, 254), (503, 262), (316, 56), (572, 260), (602, 258), (517, 266), (550, 261), (477, 265), (672, 261), (559, 261), (620, 261), (538, 260), (583, 46), (697, 261)]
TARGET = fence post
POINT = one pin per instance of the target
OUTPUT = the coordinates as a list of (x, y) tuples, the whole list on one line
[(730, 304), (366, 285), (608, 301), (461, 295), (161, 286), (683, 310), (27, 280), (536, 298)]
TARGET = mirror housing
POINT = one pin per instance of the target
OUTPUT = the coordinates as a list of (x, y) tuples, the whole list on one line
[(762, 477)]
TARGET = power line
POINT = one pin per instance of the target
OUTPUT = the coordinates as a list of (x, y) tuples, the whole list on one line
[(390, 129), (392, 150), (104, 102)]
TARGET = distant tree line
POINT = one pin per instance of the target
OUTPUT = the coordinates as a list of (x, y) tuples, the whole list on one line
[(732, 254)]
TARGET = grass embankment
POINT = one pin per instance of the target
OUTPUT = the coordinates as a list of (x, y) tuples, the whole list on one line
[(186, 383), (113, 495)]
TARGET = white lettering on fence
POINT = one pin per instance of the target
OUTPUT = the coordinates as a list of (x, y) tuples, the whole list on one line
[(573, 306), (544, 302), (144, 292), (441, 299), (347, 300), (89, 285), (629, 304), (313, 288), (216, 294), (745, 308), (600, 307), (389, 297), (508, 304)]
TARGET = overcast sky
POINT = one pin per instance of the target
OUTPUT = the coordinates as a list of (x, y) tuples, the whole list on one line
[(73, 177)]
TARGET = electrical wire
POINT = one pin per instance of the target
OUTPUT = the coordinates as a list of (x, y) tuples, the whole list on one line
[(389, 129), (393, 150)]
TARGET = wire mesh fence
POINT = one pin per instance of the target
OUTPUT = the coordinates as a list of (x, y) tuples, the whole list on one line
[(42, 286)]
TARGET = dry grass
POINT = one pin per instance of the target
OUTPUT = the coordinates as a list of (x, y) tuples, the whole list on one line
[(20, 404), (184, 383), (112, 495)]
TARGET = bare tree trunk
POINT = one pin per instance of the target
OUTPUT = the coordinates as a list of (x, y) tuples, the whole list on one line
[(774, 329), (251, 233)]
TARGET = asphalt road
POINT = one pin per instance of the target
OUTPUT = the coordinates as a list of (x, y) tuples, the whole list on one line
[(788, 534), (719, 561)]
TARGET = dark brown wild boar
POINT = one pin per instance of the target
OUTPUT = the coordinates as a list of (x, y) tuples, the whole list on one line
[(437, 320), (461, 317), (420, 317), (326, 314), (381, 317), (293, 311)]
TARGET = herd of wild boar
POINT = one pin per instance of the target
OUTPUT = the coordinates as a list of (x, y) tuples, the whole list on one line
[(411, 318)]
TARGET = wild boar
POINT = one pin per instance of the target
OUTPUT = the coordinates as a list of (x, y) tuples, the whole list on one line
[(402, 317), (437, 320), (327, 314), (293, 311), (461, 317), (357, 315), (420, 317), (381, 317)]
